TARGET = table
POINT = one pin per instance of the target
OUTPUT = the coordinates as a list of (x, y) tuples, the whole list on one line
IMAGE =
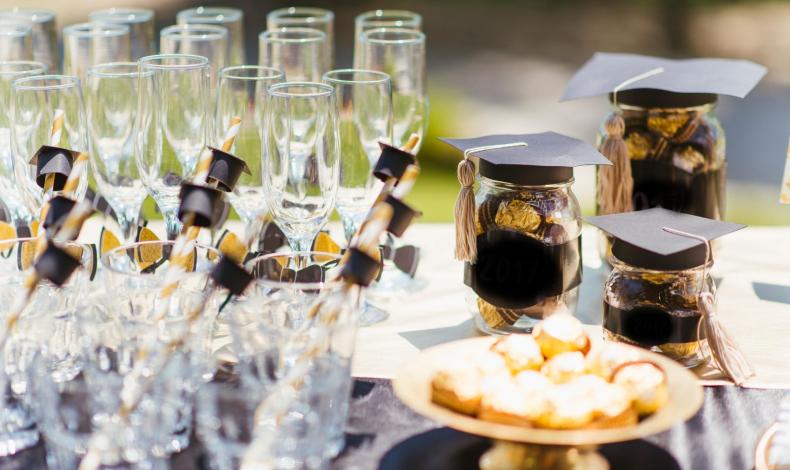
[(721, 436)]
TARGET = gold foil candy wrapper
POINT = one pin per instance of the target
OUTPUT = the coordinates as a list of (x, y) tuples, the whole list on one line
[(640, 145), (485, 215), (497, 317), (518, 215), (680, 350), (667, 124), (688, 159)]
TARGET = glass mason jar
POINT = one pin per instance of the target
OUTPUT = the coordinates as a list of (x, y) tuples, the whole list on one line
[(656, 309), (676, 148), (529, 254)]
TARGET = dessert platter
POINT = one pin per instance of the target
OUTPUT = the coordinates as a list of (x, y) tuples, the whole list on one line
[(555, 388)]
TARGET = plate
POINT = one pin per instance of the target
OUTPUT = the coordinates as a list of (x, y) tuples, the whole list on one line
[(413, 386)]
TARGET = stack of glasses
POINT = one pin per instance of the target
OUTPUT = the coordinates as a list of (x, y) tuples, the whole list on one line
[(109, 375)]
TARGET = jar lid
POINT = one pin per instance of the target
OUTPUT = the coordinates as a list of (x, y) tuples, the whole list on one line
[(649, 98), (649, 238), (529, 159)]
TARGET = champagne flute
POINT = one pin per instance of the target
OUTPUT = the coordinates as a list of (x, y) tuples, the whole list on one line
[(301, 166), (307, 17), (173, 122), (141, 23), (89, 44), (400, 53), (242, 92), (230, 18), (364, 101), (45, 37), (16, 40), (299, 52), (35, 101), (111, 102), (208, 41), (10, 193), (383, 19)]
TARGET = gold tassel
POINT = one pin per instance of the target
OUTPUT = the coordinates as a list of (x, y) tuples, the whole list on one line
[(465, 237), (725, 351), (615, 182)]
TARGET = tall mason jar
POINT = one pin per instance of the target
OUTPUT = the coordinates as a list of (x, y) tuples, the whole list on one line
[(657, 309), (676, 148), (529, 253)]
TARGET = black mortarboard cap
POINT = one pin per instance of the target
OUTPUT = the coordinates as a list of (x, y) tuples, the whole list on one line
[(226, 169), (202, 202), (402, 215), (640, 239), (392, 162), (53, 160), (230, 275), (59, 208), (547, 157), (695, 78), (360, 268), (56, 265)]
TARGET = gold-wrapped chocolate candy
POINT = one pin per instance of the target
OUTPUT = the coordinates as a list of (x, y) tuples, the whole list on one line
[(486, 213), (680, 351), (667, 124), (640, 145), (518, 215), (688, 159), (496, 317)]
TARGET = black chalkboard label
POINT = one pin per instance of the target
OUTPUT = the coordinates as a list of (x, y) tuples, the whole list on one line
[(651, 326), (514, 270)]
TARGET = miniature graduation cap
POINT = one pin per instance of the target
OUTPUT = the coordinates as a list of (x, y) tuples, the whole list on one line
[(392, 162), (202, 203), (50, 160), (230, 275), (641, 238), (226, 169), (699, 79), (56, 265), (58, 210), (521, 159), (360, 268), (402, 216)]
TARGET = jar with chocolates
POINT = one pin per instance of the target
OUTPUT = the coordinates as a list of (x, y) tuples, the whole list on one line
[(676, 151), (520, 233), (661, 261)]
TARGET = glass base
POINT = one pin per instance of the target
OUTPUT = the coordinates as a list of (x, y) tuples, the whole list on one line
[(372, 314), (523, 325), (688, 355), (13, 442)]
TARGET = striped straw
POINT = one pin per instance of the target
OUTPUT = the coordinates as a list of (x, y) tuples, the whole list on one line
[(79, 168), (407, 182), (204, 164)]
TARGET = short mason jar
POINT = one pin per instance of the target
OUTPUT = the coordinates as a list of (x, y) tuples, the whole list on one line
[(529, 253), (676, 147), (657, 309)]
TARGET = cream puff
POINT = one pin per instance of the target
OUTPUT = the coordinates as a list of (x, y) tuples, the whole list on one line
[(504, 401), (521, 352), (568, 407), (646, 382), (458, 387), (561, 333), (564, 367), (604, 358)]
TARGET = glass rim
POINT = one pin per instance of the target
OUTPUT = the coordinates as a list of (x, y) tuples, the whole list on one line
[(67, 81), (313, 35), (100, 70), (296, 285), (374, 16), (413, 36), (306, 14), (34, 66), (322, 89), (122, 249), (22, 12), (229, 72), (122, 15), (206, 13), (193, 31), (197, 62), (381, 77), (88, 29), (15, 29)]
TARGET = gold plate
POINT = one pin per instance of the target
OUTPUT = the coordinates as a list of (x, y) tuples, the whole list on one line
[(413, 386), (761, 461)]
